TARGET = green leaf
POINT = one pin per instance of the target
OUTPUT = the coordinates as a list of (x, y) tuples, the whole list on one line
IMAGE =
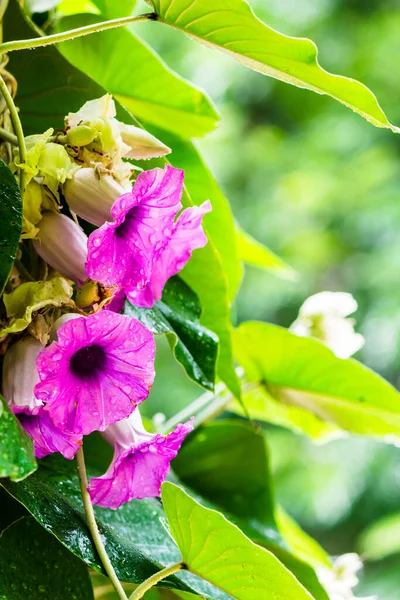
[(44, 101), (177, 315), (10, 221), (381, 539), (201, 185), (30, 297), (207, 271), (16, 450), (34, 565), (262, 406), (130, 70), (303, 372), (300, 543), (205, 274), (114, 10), (256, 254), (214, 462), (216, 550), (234, 29), (134, 535)]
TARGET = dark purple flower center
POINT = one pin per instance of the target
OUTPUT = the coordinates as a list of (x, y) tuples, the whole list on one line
[(88, 361), (125, 229)]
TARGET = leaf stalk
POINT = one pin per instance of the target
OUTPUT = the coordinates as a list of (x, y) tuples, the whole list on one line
[(156, 578), (72, 34)]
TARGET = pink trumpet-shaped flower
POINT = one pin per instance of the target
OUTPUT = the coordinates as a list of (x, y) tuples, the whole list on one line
[(120, 252), (187, 235), (99, 370), (140, 464), (47, 438)]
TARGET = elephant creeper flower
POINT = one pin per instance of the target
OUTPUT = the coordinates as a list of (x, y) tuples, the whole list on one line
[(97, 372), (140, 464)]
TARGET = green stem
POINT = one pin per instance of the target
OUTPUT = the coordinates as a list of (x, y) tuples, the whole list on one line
[(8, 136), (94, 530), (17, 128), (56, 38), (154, 579), (192, 408)]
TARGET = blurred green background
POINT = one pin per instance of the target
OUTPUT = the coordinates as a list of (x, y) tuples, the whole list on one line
[(321, 187)]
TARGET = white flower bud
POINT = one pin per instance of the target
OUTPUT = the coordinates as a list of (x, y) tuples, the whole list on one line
[(63, 245), (91, 196), (60, 322), (20, 375), (324, 317), (143, 145)]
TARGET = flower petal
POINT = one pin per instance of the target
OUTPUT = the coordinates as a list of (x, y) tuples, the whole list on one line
[(47, 438), (139, 471), (121, 253), (186, 236)]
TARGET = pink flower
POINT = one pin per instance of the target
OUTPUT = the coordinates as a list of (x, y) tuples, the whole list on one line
[(47, 438), (120, 253), (99, 370), (187, 234), (140, 464)]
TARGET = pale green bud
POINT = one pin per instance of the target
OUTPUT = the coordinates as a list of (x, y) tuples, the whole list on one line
[(142, 144), (81, 135)]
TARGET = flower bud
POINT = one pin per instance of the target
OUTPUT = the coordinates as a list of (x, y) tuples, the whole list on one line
[(143, 144), (81, 135), (20, 375), (91, 196), (63, 245)]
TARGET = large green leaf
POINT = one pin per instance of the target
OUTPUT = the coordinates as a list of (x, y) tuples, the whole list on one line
[(177, 315), (227, 463), (256, 254), (134, 535), (33, 564), (303, 372), (44, 101), (232, 27), (130, 70), (16, 449), (216, 550), (201, 185), (205, 274), (10, 221), (215, 463), (262, 406)]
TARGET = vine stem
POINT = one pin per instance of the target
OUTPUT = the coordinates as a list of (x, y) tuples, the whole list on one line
[(154, 579), (94, 530), (17, 128), (64, 36), (8, 136)]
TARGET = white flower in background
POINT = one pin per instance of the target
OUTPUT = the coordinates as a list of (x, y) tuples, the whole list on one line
[(324, 317), (341, 579)]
